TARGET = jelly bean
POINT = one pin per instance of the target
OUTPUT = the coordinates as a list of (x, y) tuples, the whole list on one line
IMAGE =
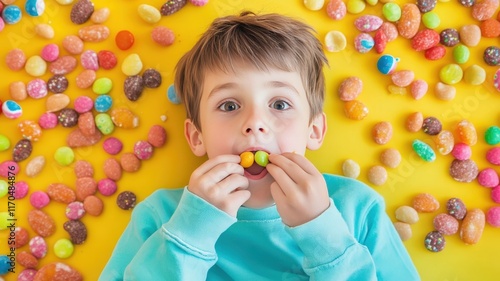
[(11, 14), (64, 156), (402, 78), (355, 109), (396, 90), (445, 224), (56, 102), (493, 216), (404, 230), (94, 33), (57, 83), (391, 11), (314, 5), (425, 203), (380, 40), (63, 248), (444, 142), (104, 123), (390, 157), (35, 66), (350, 88), (456, 208), (484, 10), (100, 15), (61, 193), (124, 118), (199, 2), (151, 78), (22, 150), (261, 158), (431, 126), (466, 132), (81, 11), (451, 74), (162, 36), (336, 9), (157, 136), (102, 85), (35, 166), (463, 170), (149, 13), (431, 20), (74, 210), (490, 28), (461, 54), (386, 64), (472, 226), (363, 42), (48, 120), (449, 37), (368, 23), (355, 6), (7, 167), (132, 65), (406, 214), (129, 162), (172, 6), (435, 53), (39, 199), (85, 186), (44, 30), (77, 231), (73, 44), (444, 91), (17, 91), (461, 151), (382, 132), (37, 88), (11, 109), (491, 55), (88, 60), (58, 270), (38, 247), (85, 79), (143, 150), (42, 223), (133, 87), (30, 130), (390, 30), (63, 65), (475, 75), (409, 22), (4, 142), (426, 5), (377, 175), (83, 169), (93, 205), (35, 7), (15, 59), (113, 172), (77, 139), (493, 155), (68, 117), (470, 35), (103, 103), (424, 150), (424, 40), (335, 41), (50, 52), (107, 59), (488, 178), (124, 39), (491, 136), (21, 189), (247, 159), (126, 200), (112, 145), (351, 168), (418, 88)]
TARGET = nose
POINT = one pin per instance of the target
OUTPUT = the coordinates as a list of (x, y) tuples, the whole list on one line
[(255, 123)]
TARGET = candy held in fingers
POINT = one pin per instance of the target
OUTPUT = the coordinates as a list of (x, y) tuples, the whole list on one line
[(248, 158)]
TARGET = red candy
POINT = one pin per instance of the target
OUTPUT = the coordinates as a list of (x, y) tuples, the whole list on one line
[(435, 53), (425, 40), (124, 39), (107, 59)]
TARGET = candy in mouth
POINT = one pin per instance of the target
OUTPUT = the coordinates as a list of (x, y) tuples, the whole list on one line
[(260, 157)]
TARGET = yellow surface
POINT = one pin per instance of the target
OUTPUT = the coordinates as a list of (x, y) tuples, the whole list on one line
[(171, 165)]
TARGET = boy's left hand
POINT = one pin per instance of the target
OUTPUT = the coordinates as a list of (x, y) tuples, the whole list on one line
[(299, 190)]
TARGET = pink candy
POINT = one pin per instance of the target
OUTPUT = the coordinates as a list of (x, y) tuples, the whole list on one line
[(493, 155), (38, 247), (368, 23), (22, 189), (37, 88), (199, 2), (15, 59), (75, 210), (5, 170), (336, 9), (495, 194), (461, 151), (488, 178), (106, 187), (83, 104), (39, 199), (48, 120), (493, 216), (143, 150), (50, 52), (112, 145), (89, 60)]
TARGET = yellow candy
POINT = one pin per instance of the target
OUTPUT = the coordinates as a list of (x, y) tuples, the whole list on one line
[(247, 158), (149, 13), (132, 65), (124, 118), (335, 41), (30, 130), (35, 66)]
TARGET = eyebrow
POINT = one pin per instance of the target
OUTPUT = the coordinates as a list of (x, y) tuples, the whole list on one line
[(273, 84)]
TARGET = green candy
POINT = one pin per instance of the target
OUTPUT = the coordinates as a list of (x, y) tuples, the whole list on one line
[(63, 248), (391, 11), (104, 123), (4, 223), (461, 53), (4, 188), (424, 150), (102, 85), (431, 20), (355, 6), (4, 143), (492, 135), (64, 156), (451, 74), (261, 158)]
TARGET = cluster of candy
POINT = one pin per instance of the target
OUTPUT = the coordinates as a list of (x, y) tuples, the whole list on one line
[(248, 158)]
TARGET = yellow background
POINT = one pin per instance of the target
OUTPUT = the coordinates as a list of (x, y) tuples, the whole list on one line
[(172, 164)]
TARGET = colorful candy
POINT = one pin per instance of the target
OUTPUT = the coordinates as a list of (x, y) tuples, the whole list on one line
[(133, 87), (335, 41), (124, 39), (456, 208), (491, 136), (149, 13), (64, 156), (463, 170), (11, 14), (409, 22), (382, 132), (63, 248), (434, 241), (350, 88), (112, 145), (472, 226), (35, 7), (81, 11), (386, 64), (377, 175), (103, 103), (424, 150), (163, 36), (143, 150)]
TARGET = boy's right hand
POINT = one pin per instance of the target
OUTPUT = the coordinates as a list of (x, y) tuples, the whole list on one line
[(221, 182)]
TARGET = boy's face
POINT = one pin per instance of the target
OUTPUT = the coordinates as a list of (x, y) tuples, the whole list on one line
[(254, 110)]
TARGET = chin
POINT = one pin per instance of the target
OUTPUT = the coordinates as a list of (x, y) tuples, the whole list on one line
[(260, 193)]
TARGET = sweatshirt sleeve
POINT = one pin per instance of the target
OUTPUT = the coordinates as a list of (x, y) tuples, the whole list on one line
[(331, 252), (182, 248)]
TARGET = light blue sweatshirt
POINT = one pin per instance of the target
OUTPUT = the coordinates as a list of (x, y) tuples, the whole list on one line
[(176, 235)]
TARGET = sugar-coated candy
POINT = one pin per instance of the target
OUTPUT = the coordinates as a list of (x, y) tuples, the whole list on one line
[(124, 118), (402, 78), (56, 102), (27, 260), (8, 167), (94, 33), (350, 88), (390, 157), (431, 20), (104, 123), (126, 200), (48, 120), (50, 52), (351, 168), (493, 156), (58, 271), (380, 40), (39, 199), (409, 22), (451, 74), (163, 36), (148, 13), (247, 159), (390, 30), (368, 23), (83, 169), (418, 88), (466, 132), (2, 23), (35, 7), (81, 11), (406, 214), (355, 109), (77, 232), (444, 142), (483, 10), (424, 150), (86, 123), (424, 40), (463, 170), (491, 136), (467, 3), (86, 78), (493, 216), (35, 66), (474, 75), (425, 203), (100, 15), (74, 210), (124, 39), (15, 59), (17, 90), (83, 104), (382, 132), (61, 193), (102, 85), (64, 155), (143, 150), (106, 187), (199, 2), (472, 226), (107, 59), (35, 166), (68, 117), (129, 162), (404, 230), (77, 139), (336, 9), (386, 64), (11, 14), (157, 136), (113, 171), (434, 241), (426, 5), (431, 125), (103, 103), (73, 44), (445, 224), (4, 188), (63, 248), (456, 208), (112, 145), (57, 84), (490, 28), (261, 158), (38, 247), (151, 78), (488, 177), (391, 11), (314, 5), (335, 41), (491, 55), (21, 237), (93, 205), (22, 150), (470, 35), (89, 60), (397, 90), (42, 223), (27, 274), (63, 65), (44, 30), (449, 37), (363, 42), (355, 6), (21, 189), (4, 142), (133, 86), (461, 54), (132, 64), (30, 130), (172, 6), (84, 187), (172, 95), (37, 88), (435, 53), (377, 175)]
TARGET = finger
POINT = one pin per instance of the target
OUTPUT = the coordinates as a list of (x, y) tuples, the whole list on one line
[(301, 161), (213, 162), (282, 179), (277, 193), (292, 169), (232, 183)]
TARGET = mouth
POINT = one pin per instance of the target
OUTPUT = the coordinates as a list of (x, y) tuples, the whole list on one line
[(255, 171)]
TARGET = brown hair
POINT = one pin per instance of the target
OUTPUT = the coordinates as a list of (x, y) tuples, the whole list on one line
[(265, 41)]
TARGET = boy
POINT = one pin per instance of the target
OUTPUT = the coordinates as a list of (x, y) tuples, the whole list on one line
[(255, 82)]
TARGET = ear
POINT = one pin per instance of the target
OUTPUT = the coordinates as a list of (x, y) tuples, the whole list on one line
[(194, 138), (317, 132)]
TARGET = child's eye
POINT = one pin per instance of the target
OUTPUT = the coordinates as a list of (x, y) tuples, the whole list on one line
[(280, 105), (229, 106)]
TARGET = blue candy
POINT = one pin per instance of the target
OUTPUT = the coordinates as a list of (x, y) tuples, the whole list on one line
[(4, 264), (11, 109), (11, 14), (103, 103), (172, 95), (35, 7), (386, 64)]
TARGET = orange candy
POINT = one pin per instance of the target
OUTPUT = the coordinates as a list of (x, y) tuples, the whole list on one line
[(490, 28), (124, 39), (355, 110), (466, 133), (425, 203)]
